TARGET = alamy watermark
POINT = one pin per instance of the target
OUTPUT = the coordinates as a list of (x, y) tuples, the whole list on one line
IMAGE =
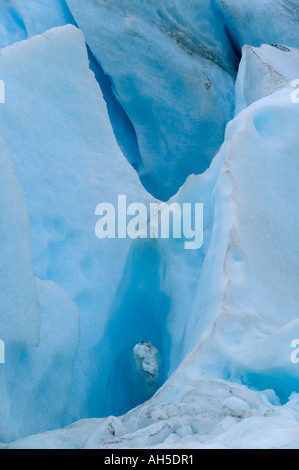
[(295, 354), (2, 101), (2, 92), (134, 221), (2, 352), (295, 93), (2, 345)]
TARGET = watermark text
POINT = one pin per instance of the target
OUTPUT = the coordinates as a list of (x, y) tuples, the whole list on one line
[(2, 352), (295, 354), (161, 221), (2, 92), (295, 93)]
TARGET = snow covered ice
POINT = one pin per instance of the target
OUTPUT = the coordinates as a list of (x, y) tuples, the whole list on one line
[(123, 343)]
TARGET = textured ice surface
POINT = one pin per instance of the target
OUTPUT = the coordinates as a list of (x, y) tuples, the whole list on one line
[(44, 375), (238, 333), (65, 140), (19, 315), (39, 326), (257, 238), (275, 67), (204, 413), (168, 71), (20, 20), (18, 294), (255, 22)]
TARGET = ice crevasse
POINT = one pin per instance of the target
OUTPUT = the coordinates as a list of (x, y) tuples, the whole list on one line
[(154, 345)]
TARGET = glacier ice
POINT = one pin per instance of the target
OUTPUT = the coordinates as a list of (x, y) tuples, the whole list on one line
[(74, 136), (20, 20), (19, 314), (256, 23), (39, 326), (44, 374), (275, 66), (154, 345), (254, 308), (179, 99), (245, 319), (18, 293)]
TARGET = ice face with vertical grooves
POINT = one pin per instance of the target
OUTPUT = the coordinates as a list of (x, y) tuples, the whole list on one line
[(19, 314), (67, 142), (44, 375)]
